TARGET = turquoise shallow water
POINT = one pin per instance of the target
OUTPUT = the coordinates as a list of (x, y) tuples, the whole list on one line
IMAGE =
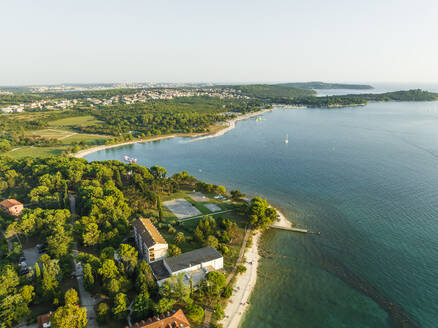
[(367, 178)]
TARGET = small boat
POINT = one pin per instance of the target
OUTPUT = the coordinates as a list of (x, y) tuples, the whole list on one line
[(287, 139), (130, 160)]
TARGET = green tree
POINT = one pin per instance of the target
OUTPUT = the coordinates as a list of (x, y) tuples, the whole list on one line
[(129, 256), (65, 198), (68, 316), (160, 210), (88, 276), (109, 270), (173, 250), (71, 297), (27, 292), (120, 306), (219, 311), (8, 280), (91, 234), (163, 305), (142, 306), (261, 214), (13, 308), (236, 195), (158, 172), (103, 312), (195, 313), (59, 242), (227, 292), (215, 282), (179, 239), (212, 241)]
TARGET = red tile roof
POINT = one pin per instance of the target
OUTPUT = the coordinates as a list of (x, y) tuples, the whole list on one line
[(8, 203), (148, 232), (175, 320), (42, 319)]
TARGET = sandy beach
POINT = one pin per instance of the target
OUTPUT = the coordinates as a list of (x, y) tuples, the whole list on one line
[(231, 125), (245, 283)]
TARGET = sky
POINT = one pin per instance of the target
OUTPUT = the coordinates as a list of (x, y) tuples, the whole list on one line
[(97, 41)]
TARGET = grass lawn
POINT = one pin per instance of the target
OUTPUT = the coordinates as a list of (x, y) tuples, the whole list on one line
[(36, 151), (88, 138), (77, 121), (53, 133)]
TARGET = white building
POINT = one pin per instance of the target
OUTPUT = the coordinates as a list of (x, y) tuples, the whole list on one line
[(194, 265), (150, 243)]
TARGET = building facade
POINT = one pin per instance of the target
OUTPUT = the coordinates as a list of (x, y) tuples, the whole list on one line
[(150, 243)]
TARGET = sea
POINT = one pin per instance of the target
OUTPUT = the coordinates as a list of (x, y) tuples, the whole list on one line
[(366, 178)]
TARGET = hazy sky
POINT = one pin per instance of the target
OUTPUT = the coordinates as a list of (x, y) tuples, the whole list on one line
[(58, 41)]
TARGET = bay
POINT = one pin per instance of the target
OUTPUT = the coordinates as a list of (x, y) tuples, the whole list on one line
[(366, 178)]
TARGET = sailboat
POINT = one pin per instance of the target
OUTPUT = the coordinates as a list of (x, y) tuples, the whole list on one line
[(287, 139)]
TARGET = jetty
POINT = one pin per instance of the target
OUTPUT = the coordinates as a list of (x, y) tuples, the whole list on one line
[(290, 228)]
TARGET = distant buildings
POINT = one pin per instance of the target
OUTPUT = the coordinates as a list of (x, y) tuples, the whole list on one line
[(170, 320), (12, 207), (149, 240)]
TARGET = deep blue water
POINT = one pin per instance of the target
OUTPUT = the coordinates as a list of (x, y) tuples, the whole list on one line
[(367, 178)]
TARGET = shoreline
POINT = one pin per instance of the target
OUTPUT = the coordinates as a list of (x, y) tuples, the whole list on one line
[(231, 125), (238, 303)]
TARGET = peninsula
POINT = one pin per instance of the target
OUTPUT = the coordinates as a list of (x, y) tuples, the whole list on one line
[(56, 120)]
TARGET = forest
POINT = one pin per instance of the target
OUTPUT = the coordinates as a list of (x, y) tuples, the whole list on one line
[(109, 196), (358, 99)]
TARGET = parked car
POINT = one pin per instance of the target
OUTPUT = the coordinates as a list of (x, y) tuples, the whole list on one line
[(41, 247), (23, 264), (22, 259), (23, 271)]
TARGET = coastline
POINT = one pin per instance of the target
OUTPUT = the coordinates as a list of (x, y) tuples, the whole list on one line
[(231, 125), (238, 303)]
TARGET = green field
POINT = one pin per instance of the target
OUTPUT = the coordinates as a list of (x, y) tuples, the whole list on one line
[(21, 152), (77, 121)]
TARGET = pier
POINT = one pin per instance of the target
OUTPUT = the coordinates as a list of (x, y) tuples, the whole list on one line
[(290, 228)]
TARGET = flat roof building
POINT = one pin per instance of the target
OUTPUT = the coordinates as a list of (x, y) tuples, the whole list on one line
[(194, 265)]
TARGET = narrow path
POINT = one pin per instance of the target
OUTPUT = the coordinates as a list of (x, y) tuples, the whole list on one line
[(68, 135), (208, 313), (87, 300), (202, 215), (242, 252)]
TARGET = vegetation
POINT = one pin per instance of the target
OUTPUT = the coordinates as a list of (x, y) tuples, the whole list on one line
[(109, 195), (359, 99), (266, 91), (323, 85)]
